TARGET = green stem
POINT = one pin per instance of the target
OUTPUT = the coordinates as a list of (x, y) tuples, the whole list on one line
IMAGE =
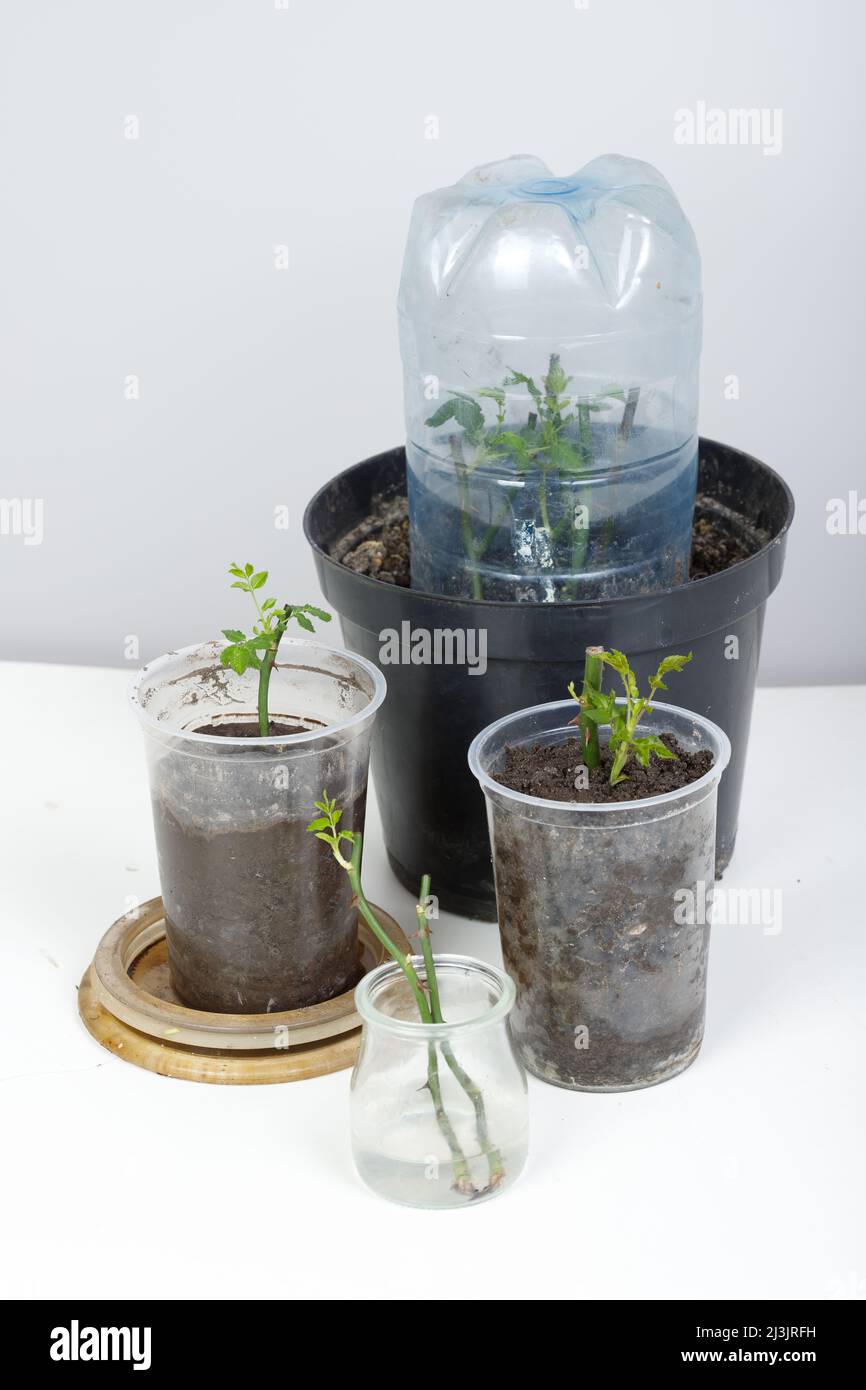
[(579, 540), (592, 670), (462, 1179), (465, 519), (565, 522), (491, 1153), (542, 501), (369, 916), (584, 427), (268, 661), (629, 413), (580, 534), (494, 1159), (495, 524), (427, 950)]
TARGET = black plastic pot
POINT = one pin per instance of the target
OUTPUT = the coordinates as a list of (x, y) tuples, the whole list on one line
[(432, 811)]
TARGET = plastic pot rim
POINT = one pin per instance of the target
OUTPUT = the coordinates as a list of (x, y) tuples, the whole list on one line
[(579, 808), (202, 742), (433, 1032), (599, 604)]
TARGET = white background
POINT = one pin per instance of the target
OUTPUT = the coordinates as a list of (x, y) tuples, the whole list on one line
[(741, 1178), (305, 126)]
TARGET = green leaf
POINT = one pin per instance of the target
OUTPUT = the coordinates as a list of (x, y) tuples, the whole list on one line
[(618, 727), (517, 445), (241, 584), (320, 823), (319, 613), (328, 839), (556, 381), (518, 379), (671, 663), (605, 702), (596, 716), (248, 569), (445, 412), (268, 603), (493, 393), (259, 579), (234, 635), (469, 414), (617, 661), (237, 657), (661, 749), (641, 751), (565, 457)]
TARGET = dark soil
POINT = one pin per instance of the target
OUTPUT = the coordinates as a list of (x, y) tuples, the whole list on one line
[(716, 544), (590, 935), (550, 772), (258, 920), (250, 730), (379, 546)]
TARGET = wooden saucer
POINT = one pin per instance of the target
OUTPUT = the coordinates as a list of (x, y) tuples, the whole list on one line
[(127, 1003)]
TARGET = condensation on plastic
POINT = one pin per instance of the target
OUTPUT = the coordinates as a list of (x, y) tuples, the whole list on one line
[(593, 278)]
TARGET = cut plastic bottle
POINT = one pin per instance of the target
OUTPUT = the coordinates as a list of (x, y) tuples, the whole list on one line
[(550, 334)]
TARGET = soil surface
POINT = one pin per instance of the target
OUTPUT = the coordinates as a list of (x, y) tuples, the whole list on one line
[(715, 544), (551, 771), (379, 546), (250, 730)]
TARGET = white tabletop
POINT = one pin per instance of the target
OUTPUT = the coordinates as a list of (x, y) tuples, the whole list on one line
[(743, 1177)]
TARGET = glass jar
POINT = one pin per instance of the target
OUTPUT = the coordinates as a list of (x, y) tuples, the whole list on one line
[(550, 335), (439, 1111)]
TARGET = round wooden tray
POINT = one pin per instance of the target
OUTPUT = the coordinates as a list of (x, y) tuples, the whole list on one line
[(127, 1003)]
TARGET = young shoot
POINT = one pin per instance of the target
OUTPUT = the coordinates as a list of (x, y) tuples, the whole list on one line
[(597, 707), (556, 442), (346, 847), (259, 650)]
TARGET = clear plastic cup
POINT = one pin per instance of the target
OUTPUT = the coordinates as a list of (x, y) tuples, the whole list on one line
[(259, 916), (550, 334), (600, 910)]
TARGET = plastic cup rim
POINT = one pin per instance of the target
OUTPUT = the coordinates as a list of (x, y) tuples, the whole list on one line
[(713, 775), (152, 725)]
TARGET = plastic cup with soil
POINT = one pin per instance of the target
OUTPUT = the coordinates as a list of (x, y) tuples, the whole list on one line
[(257, 921), (594, 884)]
